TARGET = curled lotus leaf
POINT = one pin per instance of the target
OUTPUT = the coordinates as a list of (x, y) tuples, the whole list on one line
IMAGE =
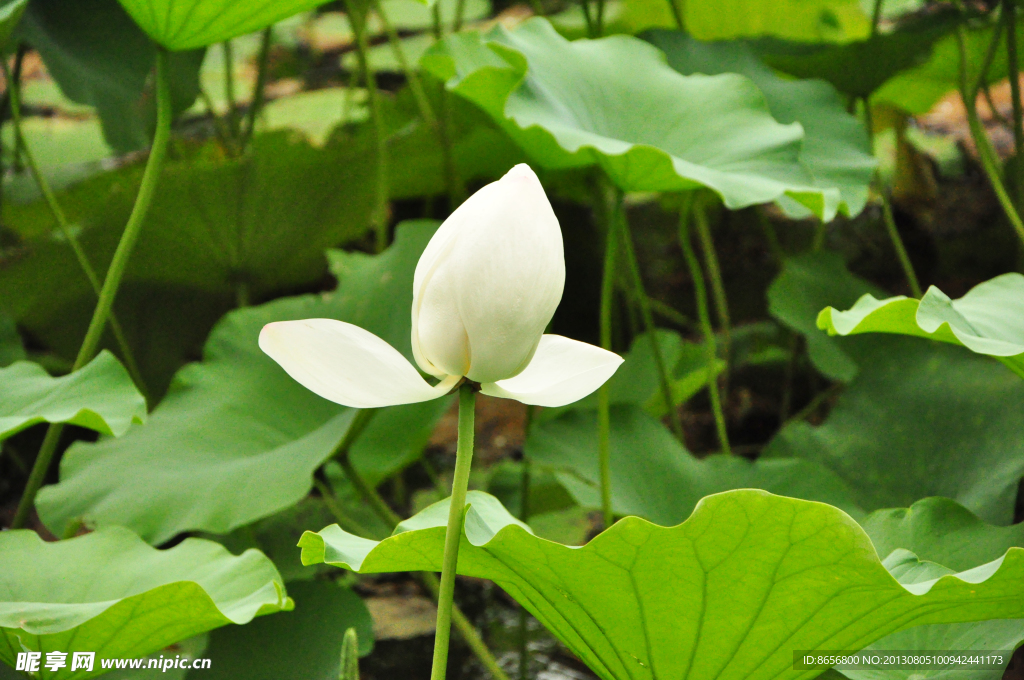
[(730, 593)]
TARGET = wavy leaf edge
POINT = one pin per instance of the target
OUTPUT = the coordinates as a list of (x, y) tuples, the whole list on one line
[(315, 548), (512, 65), (97, 609), (902, 315)]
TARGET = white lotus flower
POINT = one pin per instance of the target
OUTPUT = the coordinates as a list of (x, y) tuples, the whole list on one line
[(484, 290)]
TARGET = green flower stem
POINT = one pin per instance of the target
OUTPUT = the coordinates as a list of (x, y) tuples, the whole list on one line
[(986, 154), (647, 316), (411, 76), (460, 10), (887, 216), (897, 242), (259, 94), (987, 91), (38, 474), (14, 94), (820, 231), (380, 213), (591, 27), (524, 515), (701, 294), (707, 245), (349, 656), (229, 88), (113, 279), (455, 187), (391, 518), (5, 98), (1009, 9), (453, 535), (150, 178), (876, 17), (220, 130), (676, 14), (771, 237), (466, 630), (604, 452)]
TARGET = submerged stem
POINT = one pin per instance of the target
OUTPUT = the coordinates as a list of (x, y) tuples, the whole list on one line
[(380, 213), (603, 395), (14, 94), (411, 76), (113, 279), (428, 580), (1009, 8), (591, 28), (887, 216), (391, 518), (453, 535), (260, 89), (664, 380), (701, 295), (986, 154), (229, 88), (524, 515), (707, 245)]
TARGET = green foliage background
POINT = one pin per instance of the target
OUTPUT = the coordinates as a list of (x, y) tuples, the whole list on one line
[(804, 453)]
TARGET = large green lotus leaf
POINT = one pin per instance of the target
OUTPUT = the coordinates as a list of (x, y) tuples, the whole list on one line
[(943, 531), (236, 439), (807, 283), (266, 648), (615, 103), (99, 396), (996, 635), (859, 68), (730, 593), (100, 58), (216, 225), (920, 419), (110, 593), (989, 319), (264, 220), (917, 90), (805, 20), (655, 477), (1002, 635), (188, 24), (835, 147)]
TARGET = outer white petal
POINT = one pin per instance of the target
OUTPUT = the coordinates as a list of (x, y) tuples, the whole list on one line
[(562, 371), (489, 281), (510, 275), (347, 364)]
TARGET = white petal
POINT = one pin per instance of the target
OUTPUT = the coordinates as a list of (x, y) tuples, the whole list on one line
[(346, 364), (439, 327), (562, 371), (497, 264), (510, 276)]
